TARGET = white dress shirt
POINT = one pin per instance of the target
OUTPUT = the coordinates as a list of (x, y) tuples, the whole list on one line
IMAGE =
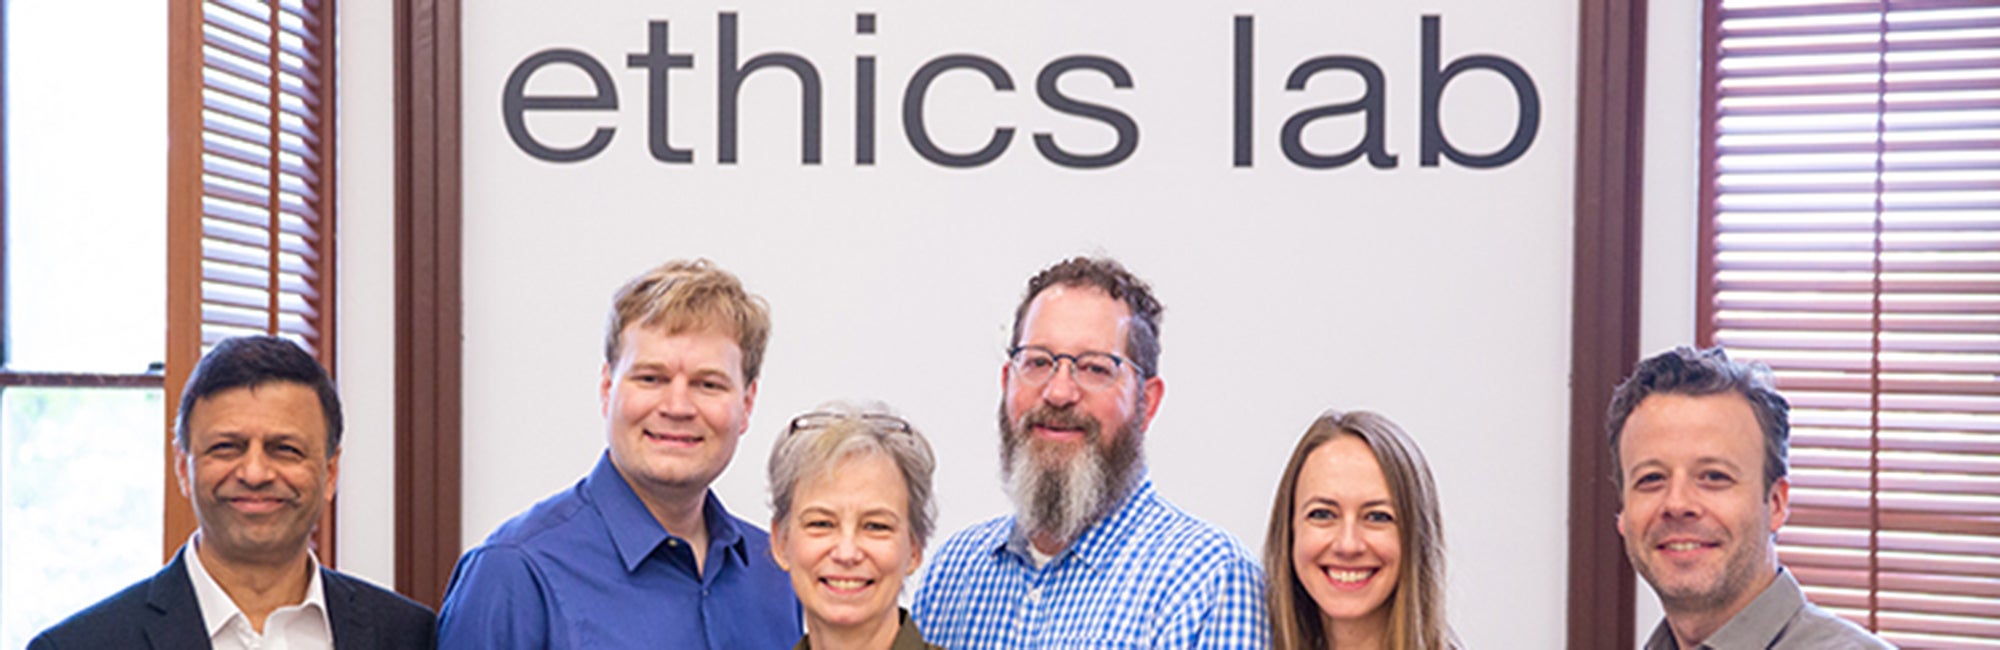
[(303, 626)]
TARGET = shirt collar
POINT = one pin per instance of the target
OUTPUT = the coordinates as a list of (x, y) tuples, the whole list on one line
[(634, 530), (1094, 547), (217, 608), (1764, 618)]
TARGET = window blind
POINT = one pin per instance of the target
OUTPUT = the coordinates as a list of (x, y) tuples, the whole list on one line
[(1851, 241), (250, 235)]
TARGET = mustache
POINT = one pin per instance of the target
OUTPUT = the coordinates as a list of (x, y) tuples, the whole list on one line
[(287, 496), (1043, 415), (1661, 533)]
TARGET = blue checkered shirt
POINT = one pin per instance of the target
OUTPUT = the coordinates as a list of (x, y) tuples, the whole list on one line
[(1148, 576)]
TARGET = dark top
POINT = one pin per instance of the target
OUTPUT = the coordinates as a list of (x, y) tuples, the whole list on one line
[(908, 637), (161, 612)]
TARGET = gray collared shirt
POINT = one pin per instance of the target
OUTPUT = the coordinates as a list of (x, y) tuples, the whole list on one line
[(1779, 619)]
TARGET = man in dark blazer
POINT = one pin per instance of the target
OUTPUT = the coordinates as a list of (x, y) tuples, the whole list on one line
[(257, 452)]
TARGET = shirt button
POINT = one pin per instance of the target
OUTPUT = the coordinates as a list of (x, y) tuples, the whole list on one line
[(673, 542)]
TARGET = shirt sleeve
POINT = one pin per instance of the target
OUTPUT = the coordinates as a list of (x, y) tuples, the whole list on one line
[(497, 600), (1233, 616)]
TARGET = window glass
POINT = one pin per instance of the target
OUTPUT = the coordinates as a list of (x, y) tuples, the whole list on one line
[(86, 183), (84, 214), (80, 482)]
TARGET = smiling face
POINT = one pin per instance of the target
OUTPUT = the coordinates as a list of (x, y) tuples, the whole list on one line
[(1697, 519), (674, 407), (1057, 417), (848, 545), (258, 472), (1346, 544), (1069, 454)]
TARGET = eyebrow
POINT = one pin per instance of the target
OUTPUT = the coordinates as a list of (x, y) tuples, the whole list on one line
[(891, 512), (698, 371), (1366, 504), (1698, 462)]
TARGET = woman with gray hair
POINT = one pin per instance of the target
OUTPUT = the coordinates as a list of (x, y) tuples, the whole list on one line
[(850, 513)]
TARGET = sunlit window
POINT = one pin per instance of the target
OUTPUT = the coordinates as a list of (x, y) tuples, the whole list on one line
[(82, 308)]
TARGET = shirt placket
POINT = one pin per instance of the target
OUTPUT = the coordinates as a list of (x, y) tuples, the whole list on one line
[(1032, 616)]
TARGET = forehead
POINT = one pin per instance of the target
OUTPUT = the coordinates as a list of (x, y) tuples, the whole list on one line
[(1076, 317), (1674, 429), (1343, 468), (270, 408), (865, 480), (652, 343)]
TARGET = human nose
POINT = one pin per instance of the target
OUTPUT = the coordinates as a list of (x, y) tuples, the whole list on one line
[(256, 467), (1348, 539), (676, 400), (1061, 389), (846, 550), (1679, 499)]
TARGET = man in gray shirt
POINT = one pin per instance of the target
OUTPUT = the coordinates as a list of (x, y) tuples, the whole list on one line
[(1700, 444)]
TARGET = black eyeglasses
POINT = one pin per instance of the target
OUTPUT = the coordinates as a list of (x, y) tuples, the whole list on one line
[(1094, 371), (824, 419)]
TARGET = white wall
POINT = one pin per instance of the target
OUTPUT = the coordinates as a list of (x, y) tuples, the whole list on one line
[(367, 306), (1439, 296), (366, 369), (1673, 139)]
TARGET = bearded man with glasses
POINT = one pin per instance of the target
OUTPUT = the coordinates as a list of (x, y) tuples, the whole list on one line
[(1092, 555)]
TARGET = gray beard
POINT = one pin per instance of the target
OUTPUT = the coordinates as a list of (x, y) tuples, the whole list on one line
[(1062, 497)]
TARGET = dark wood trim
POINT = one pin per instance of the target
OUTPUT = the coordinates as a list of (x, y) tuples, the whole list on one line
[(427, 297), (1711, 50), (11, 378), (1604, 317), (326, 539), (184, 190)]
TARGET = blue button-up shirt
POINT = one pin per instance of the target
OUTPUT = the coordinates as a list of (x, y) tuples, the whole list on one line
[(591, 568), (1148, 576)]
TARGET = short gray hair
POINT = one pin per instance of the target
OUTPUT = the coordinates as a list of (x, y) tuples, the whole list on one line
[(849, 430)]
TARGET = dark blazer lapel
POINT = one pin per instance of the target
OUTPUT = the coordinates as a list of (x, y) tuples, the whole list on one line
[(171, 595), (352, 625)]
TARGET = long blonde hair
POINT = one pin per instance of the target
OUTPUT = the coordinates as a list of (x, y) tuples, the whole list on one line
[(1416, 610)]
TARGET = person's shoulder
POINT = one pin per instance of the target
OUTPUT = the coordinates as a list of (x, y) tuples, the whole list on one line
[(753, 535), (1174, 532), (979, 536), (1818, 628), (107, 623), (961, 554), (550, 516), (379, 599)]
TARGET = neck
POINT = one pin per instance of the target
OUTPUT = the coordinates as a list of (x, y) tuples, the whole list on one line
[(680, 513), (1367, 633), (1046, 543), (258, 586), (1692, 625), (865, 636)]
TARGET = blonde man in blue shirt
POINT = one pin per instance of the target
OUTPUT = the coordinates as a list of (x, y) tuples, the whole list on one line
[(640, 553)]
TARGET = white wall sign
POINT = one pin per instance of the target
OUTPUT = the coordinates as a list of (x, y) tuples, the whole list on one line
[(1342, 205)]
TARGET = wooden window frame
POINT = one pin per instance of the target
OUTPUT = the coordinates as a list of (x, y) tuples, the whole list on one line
[(188, 184), (1806, 316)]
